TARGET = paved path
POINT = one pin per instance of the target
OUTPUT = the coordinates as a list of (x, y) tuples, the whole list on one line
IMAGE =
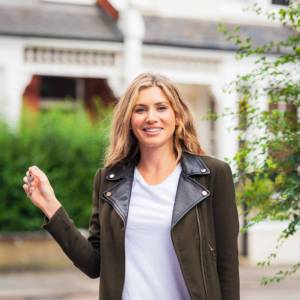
[(73, 285), (251, 289)]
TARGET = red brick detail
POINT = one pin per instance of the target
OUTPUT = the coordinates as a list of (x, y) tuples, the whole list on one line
[(98, 95), (109, 9), (31, 95)]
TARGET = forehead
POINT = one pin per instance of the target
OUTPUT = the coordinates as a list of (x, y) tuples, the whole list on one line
[(151, 95)]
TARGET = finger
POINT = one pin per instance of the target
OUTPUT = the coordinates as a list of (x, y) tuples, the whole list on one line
[(34, 176), (31, 190), (25, 179), (29, 179), (36, 172), (33, 184), (25, 187), (35, 168)]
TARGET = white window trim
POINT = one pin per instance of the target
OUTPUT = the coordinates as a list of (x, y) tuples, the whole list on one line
[(80, 2)]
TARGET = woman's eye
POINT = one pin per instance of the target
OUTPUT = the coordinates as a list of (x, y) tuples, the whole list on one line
[(137, 110), (162, 108)]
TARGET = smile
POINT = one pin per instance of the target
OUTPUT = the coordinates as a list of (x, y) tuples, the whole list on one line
[(154, 129)]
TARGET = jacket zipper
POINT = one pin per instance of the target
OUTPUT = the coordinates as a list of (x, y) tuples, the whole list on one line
[(201, 254), (212, 250)]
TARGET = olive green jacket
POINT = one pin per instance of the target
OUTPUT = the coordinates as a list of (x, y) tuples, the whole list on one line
[(204, 230)]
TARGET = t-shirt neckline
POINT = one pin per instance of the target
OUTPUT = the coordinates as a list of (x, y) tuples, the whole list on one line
[(138, 175)]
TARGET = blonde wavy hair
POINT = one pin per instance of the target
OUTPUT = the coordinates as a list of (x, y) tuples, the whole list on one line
[(123, 143)]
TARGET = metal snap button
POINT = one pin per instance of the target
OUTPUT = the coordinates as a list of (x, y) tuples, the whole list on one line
[(108, 194), (204, 193), (111, 175), (203, 170)]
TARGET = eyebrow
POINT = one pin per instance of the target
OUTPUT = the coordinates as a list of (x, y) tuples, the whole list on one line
[(156, 103)]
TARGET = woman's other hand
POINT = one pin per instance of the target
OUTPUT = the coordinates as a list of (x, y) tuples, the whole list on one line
[(40, 192)]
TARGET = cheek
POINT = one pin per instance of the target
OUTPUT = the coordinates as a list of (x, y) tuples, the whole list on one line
[(136, 121), (170, 118)]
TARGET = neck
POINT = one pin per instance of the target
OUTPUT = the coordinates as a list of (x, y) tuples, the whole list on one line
[(154, 160)]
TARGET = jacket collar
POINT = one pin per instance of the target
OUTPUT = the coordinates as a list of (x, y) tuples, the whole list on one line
[(189, 190), (191, 165)]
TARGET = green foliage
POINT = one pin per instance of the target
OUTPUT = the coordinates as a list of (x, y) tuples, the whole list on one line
[(268, 160), (67, 147)]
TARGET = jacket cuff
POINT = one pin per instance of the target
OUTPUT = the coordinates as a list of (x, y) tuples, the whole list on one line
[(59, 219)]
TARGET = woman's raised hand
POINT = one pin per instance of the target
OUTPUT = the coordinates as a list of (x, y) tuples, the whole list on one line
[(40, 192)]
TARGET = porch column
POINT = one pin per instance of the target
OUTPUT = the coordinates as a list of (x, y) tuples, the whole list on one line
[(12, 81), (132, 25), (226, 139)]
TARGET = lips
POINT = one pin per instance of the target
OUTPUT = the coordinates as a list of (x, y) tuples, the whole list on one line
[(152, 129)]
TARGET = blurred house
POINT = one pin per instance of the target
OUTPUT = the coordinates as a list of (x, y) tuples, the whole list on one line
[(81, 49)]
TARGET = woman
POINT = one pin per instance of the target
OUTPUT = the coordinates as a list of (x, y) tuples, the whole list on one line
[(164, 222)]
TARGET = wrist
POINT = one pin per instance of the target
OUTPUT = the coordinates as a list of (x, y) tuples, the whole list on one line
[(51, 208)]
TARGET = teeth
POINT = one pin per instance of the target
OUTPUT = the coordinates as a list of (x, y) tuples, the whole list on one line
[(152, 129)]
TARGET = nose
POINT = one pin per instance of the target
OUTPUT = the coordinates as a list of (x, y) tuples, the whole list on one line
[(151, 116)]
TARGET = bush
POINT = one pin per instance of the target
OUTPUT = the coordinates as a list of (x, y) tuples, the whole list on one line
[(67, 147)]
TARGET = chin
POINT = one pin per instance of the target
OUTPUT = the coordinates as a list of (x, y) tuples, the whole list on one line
[(153, 144)]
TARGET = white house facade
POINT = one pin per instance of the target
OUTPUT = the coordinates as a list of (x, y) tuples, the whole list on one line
[(90, 44)]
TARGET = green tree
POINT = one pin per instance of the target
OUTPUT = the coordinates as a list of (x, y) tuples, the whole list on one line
[(268, 160)]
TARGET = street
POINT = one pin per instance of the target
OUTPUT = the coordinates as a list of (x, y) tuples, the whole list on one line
[(73, 285)]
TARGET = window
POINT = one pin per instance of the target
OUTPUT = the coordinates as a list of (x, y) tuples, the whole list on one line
[(280, 2), (56, 89)]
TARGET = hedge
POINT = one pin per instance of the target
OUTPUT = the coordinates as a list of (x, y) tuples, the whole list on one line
[(67, 146)]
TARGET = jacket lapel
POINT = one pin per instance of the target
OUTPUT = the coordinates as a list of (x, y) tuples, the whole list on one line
[(119, 185), (119, 179), (189, 191)]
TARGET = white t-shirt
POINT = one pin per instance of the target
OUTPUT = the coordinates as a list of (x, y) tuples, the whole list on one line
[(152, 269)]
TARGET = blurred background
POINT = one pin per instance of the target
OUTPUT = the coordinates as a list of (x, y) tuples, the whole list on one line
[(63, 66)]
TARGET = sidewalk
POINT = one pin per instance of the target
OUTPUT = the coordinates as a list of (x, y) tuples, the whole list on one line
[(74, 285), (251, 289)]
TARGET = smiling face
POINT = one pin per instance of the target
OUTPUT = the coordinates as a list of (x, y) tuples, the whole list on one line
[(153, 119)]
